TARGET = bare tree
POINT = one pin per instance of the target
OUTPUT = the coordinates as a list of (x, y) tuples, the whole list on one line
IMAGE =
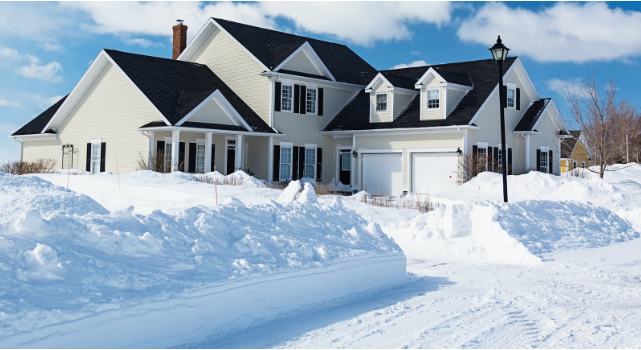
[(603, 120)]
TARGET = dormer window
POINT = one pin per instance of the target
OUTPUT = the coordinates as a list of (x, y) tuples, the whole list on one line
[(433, 99), (286, 98), (381, 102)]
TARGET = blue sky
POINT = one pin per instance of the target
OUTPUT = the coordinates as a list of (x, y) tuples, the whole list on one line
[(47, 47)]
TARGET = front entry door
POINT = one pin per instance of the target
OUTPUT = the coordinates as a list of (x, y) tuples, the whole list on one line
[(231, 156), (345, 168)]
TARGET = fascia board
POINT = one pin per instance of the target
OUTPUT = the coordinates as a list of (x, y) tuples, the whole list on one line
[(195, 43), (204, 130), (97, 65), (518, 60), (299, 49), (406, 131), (430, 71), (38, 137), (309, 50), (227, 107), (196, 109), (378, 76)]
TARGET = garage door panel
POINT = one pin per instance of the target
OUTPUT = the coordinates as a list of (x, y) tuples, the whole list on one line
[(383, 173), (434, 172)]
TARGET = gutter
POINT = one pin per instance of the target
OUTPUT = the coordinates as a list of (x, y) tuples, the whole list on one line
[(308, 79), (216, 131), (454, 128)]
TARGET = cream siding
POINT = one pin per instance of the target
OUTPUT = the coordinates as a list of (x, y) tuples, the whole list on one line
[(237, 69), (401, 100), (406, 143), (437, 113), (300, 63), (256, 150), (454, 96), (381, 117), (50, 149), (112, 110), (211, 113)]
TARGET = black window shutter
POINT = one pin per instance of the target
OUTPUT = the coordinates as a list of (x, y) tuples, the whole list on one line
[(89, 157), (490, 160), (296, 98), (496, 159), (213, 157), (301, 162), (192, 157), (538, 160), (509, 161), (181, 156), (303, 99), (475, 154), (295, 163), (277, 97), (320, 102), (518, 99), (551, 165), (160, 146), (103, 152), (319, 164), (504, 91), (276, 164)]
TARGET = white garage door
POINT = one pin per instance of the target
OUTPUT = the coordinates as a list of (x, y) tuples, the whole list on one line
[(383, 173), (434, 172)]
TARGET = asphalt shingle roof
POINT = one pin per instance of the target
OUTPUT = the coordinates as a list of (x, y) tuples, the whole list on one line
[(272, 47), (481, 75), (567, 146), (531, 116), (38, 123)]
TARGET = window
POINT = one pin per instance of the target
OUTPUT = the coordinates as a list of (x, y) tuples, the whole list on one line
[(346, 161), (200, 158), (381, 102), (286, 98), (433, 101), (168, 157), (544, 161), (574, 167), (511, 96), (500, 153), (285, 163), (583, 164), (310, 163), (311, 101), (482, 154), (95, 158)]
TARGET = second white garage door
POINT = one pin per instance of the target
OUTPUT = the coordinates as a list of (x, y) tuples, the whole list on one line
[(383, 173), (434, 172)]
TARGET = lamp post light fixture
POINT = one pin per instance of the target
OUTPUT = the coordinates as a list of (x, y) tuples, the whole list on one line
[(499, 52)]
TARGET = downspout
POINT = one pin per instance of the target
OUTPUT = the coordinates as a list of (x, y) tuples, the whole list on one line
[(21, 148)]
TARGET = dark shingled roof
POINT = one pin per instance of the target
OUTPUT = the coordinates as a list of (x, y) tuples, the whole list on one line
[(272, 48), (38, 123), (567, 146), (177, 87), (482, 75), (531, 116)]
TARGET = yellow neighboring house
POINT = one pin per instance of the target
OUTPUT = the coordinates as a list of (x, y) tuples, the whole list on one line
[(574, 154)]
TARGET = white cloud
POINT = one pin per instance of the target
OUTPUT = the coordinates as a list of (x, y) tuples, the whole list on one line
[(47, 72), (5, 103), (418, 63), (6, 52), (415, 53), (41, 22), (51, 47), (564, 32), (142, 42), (45, 102)]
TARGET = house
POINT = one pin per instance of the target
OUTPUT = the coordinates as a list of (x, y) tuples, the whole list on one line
[(574, 153), (287, 107)]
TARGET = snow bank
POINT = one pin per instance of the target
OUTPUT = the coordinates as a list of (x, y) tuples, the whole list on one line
[(72, 274), (514, 233), (239, 177)]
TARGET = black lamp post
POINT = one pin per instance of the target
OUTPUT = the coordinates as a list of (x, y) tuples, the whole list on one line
[(499, 52)]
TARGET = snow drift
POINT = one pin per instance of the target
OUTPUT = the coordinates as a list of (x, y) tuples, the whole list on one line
[(72, 274), (512, 233)]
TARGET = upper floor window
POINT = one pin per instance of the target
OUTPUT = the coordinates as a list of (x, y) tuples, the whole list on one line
[(287, 94), (311, 101), (381, 102), (511, 98), (433, 100)]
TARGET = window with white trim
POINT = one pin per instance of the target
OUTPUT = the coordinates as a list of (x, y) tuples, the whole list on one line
[(511, 98), (381, 102), (346, 161), (544, 161), (433, 99), (200, 158), (95, 157), (583, 164), (482, 153), (310, 163), (311, 101), (167, 156), (285, 163), (287, 94)]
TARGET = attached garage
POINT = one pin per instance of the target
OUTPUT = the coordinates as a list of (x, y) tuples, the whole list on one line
[(383, 173), (434, 172)]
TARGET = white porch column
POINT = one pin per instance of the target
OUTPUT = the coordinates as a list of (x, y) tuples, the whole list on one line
[(150, 155), (175, 141), (239, 151), (354, 162), (270, 160), (527, 153), (208, 165)]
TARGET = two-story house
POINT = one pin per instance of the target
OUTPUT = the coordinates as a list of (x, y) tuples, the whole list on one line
[(287, 107)]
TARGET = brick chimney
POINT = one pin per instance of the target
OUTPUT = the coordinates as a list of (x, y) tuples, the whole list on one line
[(180, 38)]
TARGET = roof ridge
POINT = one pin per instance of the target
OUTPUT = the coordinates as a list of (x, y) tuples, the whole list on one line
[(442, 64), (156, 57)]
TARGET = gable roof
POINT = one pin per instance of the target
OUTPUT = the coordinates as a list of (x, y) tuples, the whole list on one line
[(568, 144), (531, 116), (482, 75), (38, 123), (272, 47)]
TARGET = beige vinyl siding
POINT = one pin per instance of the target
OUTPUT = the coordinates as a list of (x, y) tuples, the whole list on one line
[(112, 110), (381, 117), (300, 63), (305, 128), (547, 137), (50, 149), (400, 102), (211, 113), (237, 69), (454, 96), (406, 143), (437, 113), (256, 151)]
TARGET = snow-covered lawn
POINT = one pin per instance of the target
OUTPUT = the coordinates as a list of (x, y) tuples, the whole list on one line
[(558, 266)]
